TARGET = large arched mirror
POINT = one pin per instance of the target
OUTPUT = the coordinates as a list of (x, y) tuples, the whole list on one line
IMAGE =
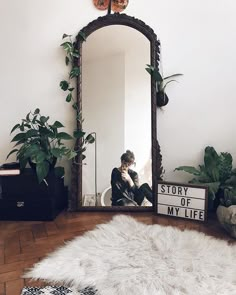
[(117, 99)]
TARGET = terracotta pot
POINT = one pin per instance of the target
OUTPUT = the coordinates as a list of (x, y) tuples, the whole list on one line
[(119, 5), (101, 4)]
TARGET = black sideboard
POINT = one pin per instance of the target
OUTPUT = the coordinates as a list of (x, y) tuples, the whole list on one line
[(23, 198)]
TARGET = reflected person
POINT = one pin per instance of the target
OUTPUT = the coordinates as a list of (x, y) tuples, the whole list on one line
[(125, 184)]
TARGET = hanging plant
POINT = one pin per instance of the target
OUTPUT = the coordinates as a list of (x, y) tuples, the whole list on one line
[(72, 55), (161, 83)]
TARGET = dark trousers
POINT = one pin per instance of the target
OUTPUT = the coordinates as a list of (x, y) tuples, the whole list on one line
[(143, 191)]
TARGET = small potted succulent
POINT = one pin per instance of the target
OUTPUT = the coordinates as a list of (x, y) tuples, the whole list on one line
[(161, 83), (40, 144)]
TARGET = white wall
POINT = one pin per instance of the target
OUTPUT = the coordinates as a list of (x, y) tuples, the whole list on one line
[(138, 109), (198, 39), (103, 110)]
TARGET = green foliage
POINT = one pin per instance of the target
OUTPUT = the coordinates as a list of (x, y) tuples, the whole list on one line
[(72, 55), (217, 174), (161, 82), (40, 143)]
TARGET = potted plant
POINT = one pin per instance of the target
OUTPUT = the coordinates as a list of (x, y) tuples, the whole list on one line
[(161, 83), (216, 173), (41, 144), (226, 211)]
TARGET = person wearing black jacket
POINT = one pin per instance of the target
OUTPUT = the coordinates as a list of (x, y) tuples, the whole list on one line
[(125, 184)]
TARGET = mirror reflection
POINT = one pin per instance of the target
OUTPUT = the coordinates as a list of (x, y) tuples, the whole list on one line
[(116, 107)]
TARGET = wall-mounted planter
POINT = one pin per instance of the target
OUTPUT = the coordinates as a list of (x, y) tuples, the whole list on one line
[(162, 99)]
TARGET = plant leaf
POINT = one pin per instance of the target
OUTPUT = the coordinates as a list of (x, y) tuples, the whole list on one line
[(44, 119), (57, 152), (75, 106), (75, 72), (71, 154), (65, 36), (37, 111), (213, 187), (69, 97), (78, 133), (31, 133), (90, 138), (40, 156), (172, 76), (64, 85), (225, 166), (67, 60), (42, 170), (64, 135), (14, 128), (164, 87), (67, 45), (19, 136), (75, 53), (28, 117), (11, 152), (82, 35), (59, 171), (212, 162), (57, 124), (188, 169)]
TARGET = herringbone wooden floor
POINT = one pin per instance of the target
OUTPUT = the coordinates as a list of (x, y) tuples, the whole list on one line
[(22, 243)]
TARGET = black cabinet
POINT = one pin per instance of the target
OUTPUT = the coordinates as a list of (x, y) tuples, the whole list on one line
[(23, 198)]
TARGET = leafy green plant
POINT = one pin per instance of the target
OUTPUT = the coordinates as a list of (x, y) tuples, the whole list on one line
[(161, 83), (41, 144), (217, 174), (71, 58)]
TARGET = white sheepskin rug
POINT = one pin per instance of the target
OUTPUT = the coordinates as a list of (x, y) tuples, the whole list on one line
[(126, 257)]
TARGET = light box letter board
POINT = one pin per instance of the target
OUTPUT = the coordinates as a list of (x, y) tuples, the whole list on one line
[(182, 200)]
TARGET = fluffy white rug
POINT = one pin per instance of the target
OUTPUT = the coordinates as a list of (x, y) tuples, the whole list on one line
[(126, 257)]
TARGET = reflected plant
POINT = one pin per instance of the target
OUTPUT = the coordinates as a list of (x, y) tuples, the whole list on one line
[(161, 83), (71, 60)]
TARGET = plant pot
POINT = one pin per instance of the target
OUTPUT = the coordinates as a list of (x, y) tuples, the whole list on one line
[(162, 99), (51, 165), (227, 218)]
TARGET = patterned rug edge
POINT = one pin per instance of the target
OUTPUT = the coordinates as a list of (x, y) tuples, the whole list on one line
[(57, 290)]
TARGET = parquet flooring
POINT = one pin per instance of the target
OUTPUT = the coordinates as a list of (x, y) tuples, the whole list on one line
[(22, 243)]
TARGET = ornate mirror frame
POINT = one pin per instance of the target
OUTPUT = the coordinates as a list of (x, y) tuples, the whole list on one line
[(75, 202)]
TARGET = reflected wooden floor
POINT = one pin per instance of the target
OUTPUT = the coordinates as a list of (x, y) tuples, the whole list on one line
[(22, 243)]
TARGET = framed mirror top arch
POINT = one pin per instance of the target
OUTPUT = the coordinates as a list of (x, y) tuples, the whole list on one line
[(117, 100)]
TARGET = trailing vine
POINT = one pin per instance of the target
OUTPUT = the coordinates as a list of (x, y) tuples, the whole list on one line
[(72, 55)]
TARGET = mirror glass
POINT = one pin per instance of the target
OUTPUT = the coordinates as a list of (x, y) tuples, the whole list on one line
[(116, 107)]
